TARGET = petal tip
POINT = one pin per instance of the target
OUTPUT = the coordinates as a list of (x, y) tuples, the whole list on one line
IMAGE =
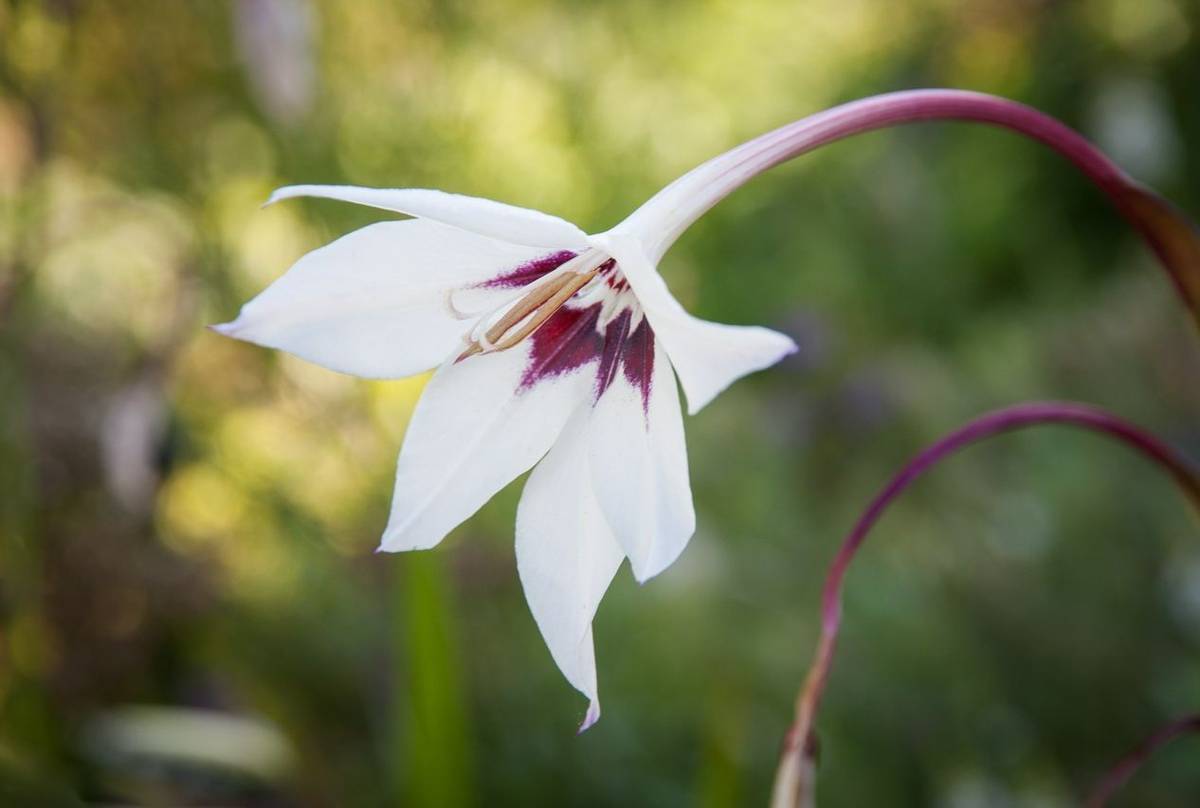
[(286, 192), (229, 329), (408, 536), (785, 346), (658, 560), (390, 543), (275, 196), (590, 718), (647, 569)]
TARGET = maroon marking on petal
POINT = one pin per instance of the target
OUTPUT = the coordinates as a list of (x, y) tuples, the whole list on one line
[(615, 282), (615, 335), (528, 272), (613, 278), (637, 360), (565, 342)]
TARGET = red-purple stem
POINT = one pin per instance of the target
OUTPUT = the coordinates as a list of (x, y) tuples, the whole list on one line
[(1170, 234), (993, 423), (1119, 775)]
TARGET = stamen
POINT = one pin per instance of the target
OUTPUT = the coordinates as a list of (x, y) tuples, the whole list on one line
[(533, 310), (546, 311), (527, 305), (586, 274), (457, 313)]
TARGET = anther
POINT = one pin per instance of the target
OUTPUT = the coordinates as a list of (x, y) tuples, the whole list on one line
[(530, 312)]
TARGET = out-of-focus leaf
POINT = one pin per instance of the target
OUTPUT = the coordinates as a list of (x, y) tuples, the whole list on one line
[(435, 765)]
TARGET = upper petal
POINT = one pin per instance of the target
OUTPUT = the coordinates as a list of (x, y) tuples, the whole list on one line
[(374, 302), (707, 356), (476, 427), (486, 217), (566, 556), (638, 458)]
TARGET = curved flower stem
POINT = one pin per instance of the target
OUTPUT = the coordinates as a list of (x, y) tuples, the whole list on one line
[(1119, 775), (793, 786), (1170, 234)]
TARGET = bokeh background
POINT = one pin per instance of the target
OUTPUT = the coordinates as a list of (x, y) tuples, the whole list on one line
[(191, 612)]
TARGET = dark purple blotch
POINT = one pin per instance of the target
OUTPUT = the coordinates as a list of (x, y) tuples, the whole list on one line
[(569, 340), (615, 335), (637, 360), (528, 272), (565, 342)]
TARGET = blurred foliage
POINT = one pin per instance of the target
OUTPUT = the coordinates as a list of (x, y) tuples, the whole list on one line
[(187, 523)]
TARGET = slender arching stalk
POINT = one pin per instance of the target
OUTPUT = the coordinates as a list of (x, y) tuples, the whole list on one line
[(1127, 766), (1173, 237), (793, 781)]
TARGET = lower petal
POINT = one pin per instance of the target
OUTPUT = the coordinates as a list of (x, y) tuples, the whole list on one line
[(475, 429), (707, 356), (566, 557), (638, 460)]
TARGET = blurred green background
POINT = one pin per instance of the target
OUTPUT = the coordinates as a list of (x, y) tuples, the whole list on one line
[(190, 609)]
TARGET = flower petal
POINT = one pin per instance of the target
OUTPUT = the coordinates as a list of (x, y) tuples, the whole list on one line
[(662, 218), (498, 220), (638, 458), (476, 427), (374, 302), (707, 356), (566, 556)]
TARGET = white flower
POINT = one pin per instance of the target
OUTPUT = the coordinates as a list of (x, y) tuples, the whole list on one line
[(550, 345), (558, 346)]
